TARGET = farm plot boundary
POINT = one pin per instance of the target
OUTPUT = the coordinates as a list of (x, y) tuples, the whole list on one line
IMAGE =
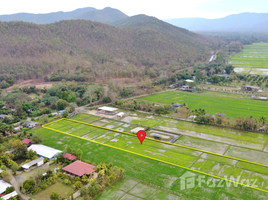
[(178, 145), (169, 163)]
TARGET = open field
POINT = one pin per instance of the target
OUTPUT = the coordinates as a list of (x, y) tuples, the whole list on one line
[(213, 104), (203, 162), (62, 189), (255, 55), (128, 189)]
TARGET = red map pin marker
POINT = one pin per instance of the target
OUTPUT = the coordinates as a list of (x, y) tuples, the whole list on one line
[(141, 135)]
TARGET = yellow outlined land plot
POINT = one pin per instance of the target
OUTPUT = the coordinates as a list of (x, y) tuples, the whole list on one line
[(184, 164)]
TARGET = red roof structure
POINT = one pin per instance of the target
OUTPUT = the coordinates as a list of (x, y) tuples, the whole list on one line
[(70, 156), (79, 168), (26, 140)]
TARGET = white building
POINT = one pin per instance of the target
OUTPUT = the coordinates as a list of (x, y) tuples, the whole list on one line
[(107, 110), (3, 186), (8, 196), (189, 81), (45, 151), (37, 162), (121, 114)]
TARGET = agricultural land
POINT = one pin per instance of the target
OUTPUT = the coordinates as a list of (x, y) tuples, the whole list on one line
[(164, 164), (252, 60), (232, 107)]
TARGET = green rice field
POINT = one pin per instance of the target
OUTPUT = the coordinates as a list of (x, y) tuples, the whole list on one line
[(255, 55), (147, 170), (128, 189), (213, 104)]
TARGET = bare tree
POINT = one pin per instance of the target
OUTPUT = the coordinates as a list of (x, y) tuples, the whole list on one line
[(91, 93), (212, 71)]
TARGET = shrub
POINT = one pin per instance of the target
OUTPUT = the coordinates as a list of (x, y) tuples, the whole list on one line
[(9, 190), (77, 178), (78, 184), (66, 181), (54, 196), (59, 174)]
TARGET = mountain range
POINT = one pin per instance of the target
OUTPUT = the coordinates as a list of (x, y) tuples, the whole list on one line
[(107, 15), (243, 22), (93, 49)]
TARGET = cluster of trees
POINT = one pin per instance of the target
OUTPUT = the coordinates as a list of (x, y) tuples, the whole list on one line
[(38, 182), (76, 152), (64, 93), (205, 72), (18, 105), (253, 79), (19, 151), (245, 123), (143, 106), (107, 174)]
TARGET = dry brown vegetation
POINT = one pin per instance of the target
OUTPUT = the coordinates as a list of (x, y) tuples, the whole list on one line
[(83, 50)]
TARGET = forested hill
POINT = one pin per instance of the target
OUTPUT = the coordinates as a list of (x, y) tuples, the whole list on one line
[(107, 15), (180, 35), (82, 50)]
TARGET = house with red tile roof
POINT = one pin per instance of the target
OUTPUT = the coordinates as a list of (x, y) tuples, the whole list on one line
[(79, 168), (70, 156), (28, 141)]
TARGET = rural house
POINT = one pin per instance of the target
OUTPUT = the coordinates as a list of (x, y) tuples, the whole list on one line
[(79, 168), (60, 112), (226, 76), (207, 115), (219, 114), (251, 88), (70, 156), (107, 110), (175, 105), (27, 141), (29, 124), (2, 116)]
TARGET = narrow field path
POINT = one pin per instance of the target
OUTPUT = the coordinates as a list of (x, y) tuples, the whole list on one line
[(16, 185)]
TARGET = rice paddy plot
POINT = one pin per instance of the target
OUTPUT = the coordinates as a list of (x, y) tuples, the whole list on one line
[(220, 166), (212, 105), (135, 190), (148, 170), (235, 140), (203, 144), (85, 118), (255, 55)]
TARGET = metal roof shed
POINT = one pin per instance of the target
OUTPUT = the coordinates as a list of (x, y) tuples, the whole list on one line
[(8, 196), (108, 109), (3, 186), (38, 162), (45, 151)]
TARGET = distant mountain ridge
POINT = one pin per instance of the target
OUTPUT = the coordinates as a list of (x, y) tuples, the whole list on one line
[(107, 15), (178, 34), (243, 22)]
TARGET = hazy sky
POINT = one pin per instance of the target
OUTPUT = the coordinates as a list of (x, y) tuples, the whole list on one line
[(161, 9)]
